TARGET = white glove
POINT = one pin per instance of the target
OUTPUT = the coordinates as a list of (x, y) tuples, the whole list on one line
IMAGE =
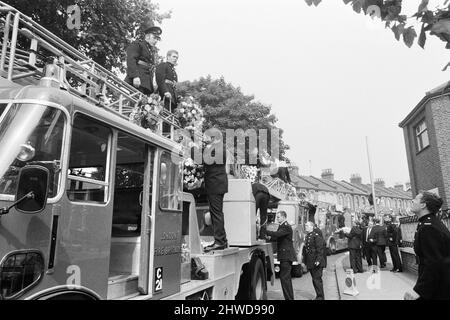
[(137, 82)]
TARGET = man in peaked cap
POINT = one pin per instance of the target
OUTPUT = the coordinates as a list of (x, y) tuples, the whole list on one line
[(285, 253), (141, 58), (314, 258), (432, 248)]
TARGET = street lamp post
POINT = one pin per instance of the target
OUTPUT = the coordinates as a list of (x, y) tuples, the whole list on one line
[(371, 180)]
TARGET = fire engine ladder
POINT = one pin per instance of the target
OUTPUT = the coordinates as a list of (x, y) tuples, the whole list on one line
[(25, 51)]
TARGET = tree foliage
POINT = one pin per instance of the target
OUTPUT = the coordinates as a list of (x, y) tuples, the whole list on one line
[(434, 21), (107, 26), (226, 107)]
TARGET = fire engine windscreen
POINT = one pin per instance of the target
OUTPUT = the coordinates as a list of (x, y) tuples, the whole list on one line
[(30, 134)]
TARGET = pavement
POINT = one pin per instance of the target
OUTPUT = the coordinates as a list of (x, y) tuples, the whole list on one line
[(383, 285), (303, 287)]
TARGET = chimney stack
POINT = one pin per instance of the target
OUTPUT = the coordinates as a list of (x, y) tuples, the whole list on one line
[(355, 179), (327, 174), (399, 186), (379, 183)]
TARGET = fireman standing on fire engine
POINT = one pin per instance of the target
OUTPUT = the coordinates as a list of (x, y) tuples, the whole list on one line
[(166, 78), (141, 59)]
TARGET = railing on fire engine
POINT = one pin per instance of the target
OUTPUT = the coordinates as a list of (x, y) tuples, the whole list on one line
[(25, 47)]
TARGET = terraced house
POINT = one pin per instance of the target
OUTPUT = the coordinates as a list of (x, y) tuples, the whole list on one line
[(352, 195)]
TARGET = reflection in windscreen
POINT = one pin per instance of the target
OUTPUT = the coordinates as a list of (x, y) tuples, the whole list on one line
[(38, 127)]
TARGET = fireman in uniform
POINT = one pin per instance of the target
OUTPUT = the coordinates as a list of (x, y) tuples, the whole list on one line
[(166, 78), (432, 248), (393, 241), (314, 258), (285, 253), (141, 59)]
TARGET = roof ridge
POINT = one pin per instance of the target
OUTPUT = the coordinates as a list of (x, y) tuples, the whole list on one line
[(322, 183), (356, 186)]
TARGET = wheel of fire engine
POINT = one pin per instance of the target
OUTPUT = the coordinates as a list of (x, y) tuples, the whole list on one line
[(252, 284), (244, 284), (332, 246), (70, 295), (258, 289)]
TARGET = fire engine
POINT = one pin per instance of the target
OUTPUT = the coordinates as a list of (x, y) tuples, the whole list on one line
[(92, 204)]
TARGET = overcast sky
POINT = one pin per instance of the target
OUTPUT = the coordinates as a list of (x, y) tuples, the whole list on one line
[(332, 76)]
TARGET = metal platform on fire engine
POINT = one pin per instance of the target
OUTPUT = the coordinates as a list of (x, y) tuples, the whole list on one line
[(29, 53)]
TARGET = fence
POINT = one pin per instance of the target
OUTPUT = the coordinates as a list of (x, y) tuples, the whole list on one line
[(408, 227)]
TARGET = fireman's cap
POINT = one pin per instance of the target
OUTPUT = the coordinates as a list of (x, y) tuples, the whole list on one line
[(149, 27)]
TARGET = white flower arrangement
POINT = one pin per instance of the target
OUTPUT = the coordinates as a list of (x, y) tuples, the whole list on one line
[(292, 192), (190, 114), (249, 172), (146, 112), (193, 175)]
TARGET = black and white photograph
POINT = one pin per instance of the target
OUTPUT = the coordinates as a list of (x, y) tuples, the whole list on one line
[(245, 152)]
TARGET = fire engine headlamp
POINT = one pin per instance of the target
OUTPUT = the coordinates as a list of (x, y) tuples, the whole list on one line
[(26, 153)]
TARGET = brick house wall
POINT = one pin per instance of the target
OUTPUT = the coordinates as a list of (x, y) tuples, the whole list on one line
[(440, 109), (430, 167)]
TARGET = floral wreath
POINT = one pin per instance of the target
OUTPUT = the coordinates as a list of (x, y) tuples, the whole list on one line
[(249, 172), (190, 114), (193, 175), (146, 112)]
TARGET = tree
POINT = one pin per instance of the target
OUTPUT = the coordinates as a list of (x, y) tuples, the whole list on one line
[(434, 21), (107, 26), (226, 107)]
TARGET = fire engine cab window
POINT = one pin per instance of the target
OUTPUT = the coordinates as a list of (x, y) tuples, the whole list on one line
[(169, 183), (30, 134), (89, 151)]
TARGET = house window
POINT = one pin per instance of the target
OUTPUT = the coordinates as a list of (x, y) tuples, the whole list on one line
[(422, 136)]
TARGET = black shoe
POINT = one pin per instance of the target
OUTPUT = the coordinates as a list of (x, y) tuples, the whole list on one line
[(399, 270), (393, 270), (216, 246)]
